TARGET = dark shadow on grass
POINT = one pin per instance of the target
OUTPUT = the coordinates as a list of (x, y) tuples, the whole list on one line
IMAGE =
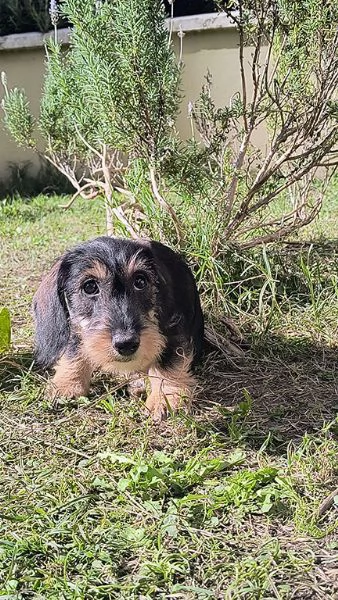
[(12, 367), (299, 269), (295, 264), (274, 394)]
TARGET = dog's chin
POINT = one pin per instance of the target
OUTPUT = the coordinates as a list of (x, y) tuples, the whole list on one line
[(123, 359), (126, 365)]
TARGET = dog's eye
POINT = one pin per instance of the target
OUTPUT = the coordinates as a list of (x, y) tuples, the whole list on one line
[(90, 287), (140, 282)]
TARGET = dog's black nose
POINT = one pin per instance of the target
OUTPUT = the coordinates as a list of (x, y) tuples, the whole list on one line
[(126, 344)]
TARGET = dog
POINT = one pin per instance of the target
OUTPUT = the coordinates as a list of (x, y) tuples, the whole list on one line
[(129, 307)]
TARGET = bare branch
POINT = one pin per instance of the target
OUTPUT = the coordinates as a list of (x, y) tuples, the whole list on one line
[(118, 212), (78, 193), (162, 202)]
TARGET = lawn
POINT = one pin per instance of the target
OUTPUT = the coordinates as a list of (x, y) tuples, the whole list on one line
[(230, 502)]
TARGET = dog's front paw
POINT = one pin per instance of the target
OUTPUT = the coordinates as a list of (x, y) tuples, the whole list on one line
[(156, 407), (170, 391), (55, 390), (159, 405), (137, 387), (71, 379)]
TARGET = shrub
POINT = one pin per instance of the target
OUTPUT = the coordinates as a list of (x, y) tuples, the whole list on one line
[(293, 75), (114, 93)]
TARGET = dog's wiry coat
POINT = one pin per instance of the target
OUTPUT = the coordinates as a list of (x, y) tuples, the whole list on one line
[(125, 307)]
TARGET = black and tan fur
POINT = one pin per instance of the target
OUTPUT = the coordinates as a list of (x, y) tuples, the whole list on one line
[(121, 306)]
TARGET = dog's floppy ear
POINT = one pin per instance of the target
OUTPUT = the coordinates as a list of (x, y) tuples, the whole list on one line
[(179, 296), (51, 320)]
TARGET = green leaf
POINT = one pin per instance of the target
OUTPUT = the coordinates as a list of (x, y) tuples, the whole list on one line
[(5, 329), (134, 534), (116, 458), (123, 484)]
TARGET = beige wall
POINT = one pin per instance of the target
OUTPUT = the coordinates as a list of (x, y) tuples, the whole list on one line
[(215, 50), (24, 69)]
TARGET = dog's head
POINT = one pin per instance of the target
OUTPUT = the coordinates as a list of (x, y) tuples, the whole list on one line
[(101, 299)]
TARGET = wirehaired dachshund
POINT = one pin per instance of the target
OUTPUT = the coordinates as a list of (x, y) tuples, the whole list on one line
[(125, 307)]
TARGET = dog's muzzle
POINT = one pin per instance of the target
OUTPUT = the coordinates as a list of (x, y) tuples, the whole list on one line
[(126, 343)]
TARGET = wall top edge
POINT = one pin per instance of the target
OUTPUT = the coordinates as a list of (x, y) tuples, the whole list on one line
[(206, 22), (201, 22)]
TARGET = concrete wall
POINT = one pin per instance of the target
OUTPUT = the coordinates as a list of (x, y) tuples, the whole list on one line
[(210, 42), (24, 69)]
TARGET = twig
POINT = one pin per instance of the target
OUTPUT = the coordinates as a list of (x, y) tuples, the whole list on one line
[(327, 503), (171, 21), (277, 236), (80, 193), (118, 212), (222, 344), (162, 202), (89, 146)]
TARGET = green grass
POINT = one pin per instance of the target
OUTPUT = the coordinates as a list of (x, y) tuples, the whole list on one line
[(97, 502)]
